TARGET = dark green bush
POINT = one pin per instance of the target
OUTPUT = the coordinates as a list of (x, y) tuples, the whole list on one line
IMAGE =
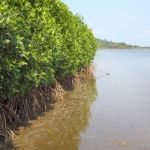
[(39, 42)]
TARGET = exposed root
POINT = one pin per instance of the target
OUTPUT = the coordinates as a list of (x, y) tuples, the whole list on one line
[(19, 110), (70, 81)]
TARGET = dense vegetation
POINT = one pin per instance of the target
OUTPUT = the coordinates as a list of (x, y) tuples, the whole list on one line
[(109, 44), (40, 41)]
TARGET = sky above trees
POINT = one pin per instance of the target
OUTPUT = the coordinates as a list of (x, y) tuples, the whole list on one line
[(121, 21)]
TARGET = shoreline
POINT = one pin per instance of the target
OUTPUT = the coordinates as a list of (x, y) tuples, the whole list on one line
[(19, 111)]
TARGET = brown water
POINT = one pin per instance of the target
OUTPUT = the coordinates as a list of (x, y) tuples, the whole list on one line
[(60, 128), (109, 112)]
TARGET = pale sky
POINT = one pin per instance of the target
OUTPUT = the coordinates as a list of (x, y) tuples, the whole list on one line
[(117, 20)]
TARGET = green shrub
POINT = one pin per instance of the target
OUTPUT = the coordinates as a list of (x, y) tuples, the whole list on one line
[(39, 42)]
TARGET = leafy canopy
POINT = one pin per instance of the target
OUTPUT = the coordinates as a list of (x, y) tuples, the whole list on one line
[(40, 41)]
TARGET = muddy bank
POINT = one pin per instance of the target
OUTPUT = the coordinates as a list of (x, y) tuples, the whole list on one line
[(19, 111)]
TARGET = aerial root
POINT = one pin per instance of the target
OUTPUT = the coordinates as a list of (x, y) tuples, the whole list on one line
[(19, 110)]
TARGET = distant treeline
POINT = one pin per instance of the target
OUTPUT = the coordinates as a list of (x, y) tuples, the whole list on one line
[(115, 45)]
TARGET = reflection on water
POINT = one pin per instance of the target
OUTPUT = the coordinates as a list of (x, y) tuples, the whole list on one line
[(118, 119), (60, 129), (121, 113)]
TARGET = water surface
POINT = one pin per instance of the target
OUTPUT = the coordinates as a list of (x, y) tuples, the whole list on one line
[(60, 128), (112, 113), (121, 113)]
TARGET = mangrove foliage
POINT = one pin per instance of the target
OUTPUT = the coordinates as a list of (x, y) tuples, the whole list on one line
[(40, 41)]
